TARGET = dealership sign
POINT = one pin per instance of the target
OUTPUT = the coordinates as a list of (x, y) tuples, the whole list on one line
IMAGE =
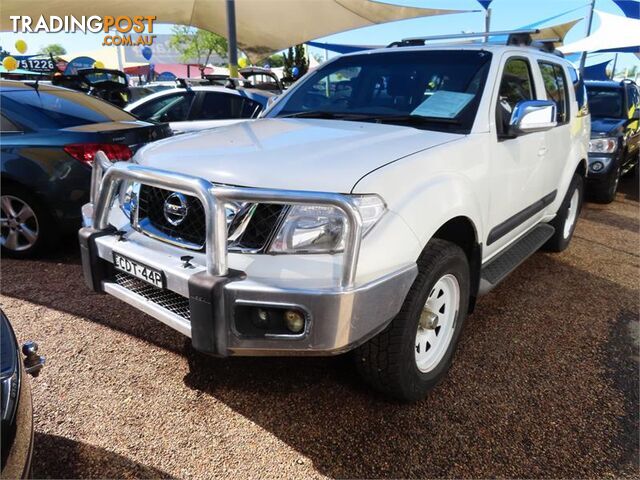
[(162, 52), (79, 63)]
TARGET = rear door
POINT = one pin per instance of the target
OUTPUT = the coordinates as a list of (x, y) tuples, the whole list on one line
[(558, 139), (519, 191), (215, 109)]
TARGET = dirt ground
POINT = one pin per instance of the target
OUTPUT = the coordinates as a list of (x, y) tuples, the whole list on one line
[(544, 384)]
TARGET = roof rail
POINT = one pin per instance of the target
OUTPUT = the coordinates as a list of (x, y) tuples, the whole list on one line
[(515, 37)]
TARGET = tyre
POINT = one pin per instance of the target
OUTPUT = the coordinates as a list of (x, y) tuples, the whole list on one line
[(606, 193), (567, 216), (25, 226), (415, 351)]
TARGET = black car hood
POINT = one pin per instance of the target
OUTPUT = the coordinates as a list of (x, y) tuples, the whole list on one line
[(606, 126)]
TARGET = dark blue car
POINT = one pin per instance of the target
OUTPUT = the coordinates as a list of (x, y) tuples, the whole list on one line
[(615, 135), (48, 139)]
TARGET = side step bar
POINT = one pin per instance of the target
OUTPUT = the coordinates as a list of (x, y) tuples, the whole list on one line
[(499, 267)]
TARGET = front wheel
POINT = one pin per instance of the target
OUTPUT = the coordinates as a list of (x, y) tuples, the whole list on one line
[(606, 193), (567, 216), (415, 351)]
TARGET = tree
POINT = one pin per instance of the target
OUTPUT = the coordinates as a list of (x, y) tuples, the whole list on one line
[(295, 57), (199, 45), (274, 61), (54, 49)]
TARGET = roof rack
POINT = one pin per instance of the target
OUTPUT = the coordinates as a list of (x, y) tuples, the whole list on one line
[(514, 37)]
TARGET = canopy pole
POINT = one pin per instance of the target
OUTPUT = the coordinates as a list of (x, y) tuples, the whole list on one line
[(583, 58), (613, 70), (232, 40), (487, 24)]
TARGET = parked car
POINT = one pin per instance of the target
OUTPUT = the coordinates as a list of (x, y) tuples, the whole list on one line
[(109, 85), (191, 108), (141, 91), (16, 408), (366, 218), (615, 135), (48, 139)]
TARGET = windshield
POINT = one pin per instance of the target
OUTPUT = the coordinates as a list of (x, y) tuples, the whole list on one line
[(441, 88), (605, 102)]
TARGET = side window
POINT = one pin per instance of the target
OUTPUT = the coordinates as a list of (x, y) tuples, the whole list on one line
[(220, 106), (7, 126), (555, 84), (580, 91), (168, 108), (516, 85), (632, 98)]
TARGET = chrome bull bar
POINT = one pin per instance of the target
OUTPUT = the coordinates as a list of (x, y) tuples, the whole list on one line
[(107, 176)]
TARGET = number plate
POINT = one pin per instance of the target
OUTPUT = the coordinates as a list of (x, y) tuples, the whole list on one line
[(138, 270)]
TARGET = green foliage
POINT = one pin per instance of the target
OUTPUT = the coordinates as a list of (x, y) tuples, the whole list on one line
[(274, 61), (197, 45), (295, 57), (55, 49)]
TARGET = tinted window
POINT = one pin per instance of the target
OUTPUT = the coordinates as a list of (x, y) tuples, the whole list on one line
[(580, 90), (632, 97), (516, 85), (605, 102), (59, 108), (555, 84), (442, 87), (168, 108), (7, 125), (218, 106)]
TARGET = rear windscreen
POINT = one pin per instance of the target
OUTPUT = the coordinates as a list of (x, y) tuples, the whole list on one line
[(55, 109)]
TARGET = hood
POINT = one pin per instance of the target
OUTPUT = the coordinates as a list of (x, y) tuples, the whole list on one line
[(299, 154), (606, 126)]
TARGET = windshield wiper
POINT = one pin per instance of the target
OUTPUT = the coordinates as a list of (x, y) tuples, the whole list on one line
[(312, 114), (416, 119), (330, 115)]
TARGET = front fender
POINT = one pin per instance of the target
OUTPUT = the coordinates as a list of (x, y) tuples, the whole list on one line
[(426, 190)]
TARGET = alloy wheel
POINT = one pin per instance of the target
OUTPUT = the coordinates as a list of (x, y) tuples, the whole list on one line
[(19, 227)]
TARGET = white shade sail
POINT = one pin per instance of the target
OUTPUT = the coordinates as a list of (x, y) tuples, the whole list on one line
[(263, 27), (614, 32)]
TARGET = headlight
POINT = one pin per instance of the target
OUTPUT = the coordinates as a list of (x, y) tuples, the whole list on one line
[(603, 145), (321, 229)]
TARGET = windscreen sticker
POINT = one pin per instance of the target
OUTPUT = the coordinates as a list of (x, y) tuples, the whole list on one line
[(443, 104)]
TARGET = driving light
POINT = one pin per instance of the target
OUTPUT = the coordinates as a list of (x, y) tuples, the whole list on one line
[(295, 321), (322, 229), (596, 166), (603, 145)]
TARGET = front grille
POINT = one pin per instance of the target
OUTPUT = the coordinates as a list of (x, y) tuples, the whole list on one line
[(192, 231), (164, 298), (261, 227), (151, 202)]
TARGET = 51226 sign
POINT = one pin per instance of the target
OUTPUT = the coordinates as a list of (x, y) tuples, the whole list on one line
[(37, 65)]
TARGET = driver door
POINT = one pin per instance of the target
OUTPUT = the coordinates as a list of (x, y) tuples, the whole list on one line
[(517, 163)]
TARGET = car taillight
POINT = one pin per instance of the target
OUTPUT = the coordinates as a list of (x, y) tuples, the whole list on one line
[(85, 152)]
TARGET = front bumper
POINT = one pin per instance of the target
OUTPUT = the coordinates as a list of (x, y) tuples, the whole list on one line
[(204, 301), (601, 167)]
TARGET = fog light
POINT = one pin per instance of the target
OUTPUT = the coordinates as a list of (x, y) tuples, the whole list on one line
[(596, 166), (295, 321), (262, 319)]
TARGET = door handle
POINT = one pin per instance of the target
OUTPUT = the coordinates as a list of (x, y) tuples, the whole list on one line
[(542, 151)]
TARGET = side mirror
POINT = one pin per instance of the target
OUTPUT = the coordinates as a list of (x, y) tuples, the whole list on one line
[(532, 116)]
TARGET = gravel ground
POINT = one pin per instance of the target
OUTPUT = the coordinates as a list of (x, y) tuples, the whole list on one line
[(545, 383)]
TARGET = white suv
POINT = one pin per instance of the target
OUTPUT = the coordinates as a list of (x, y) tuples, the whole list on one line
[(370, 208)]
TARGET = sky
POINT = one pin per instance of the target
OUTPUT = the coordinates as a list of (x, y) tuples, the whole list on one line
[(506, 15)]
